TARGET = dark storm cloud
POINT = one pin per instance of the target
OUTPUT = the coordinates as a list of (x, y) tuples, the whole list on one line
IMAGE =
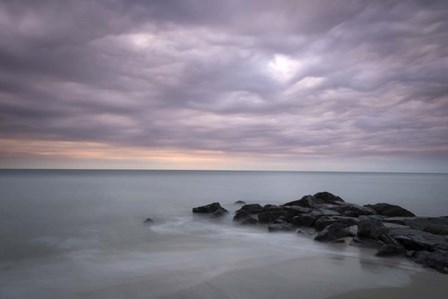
[(321, 78)]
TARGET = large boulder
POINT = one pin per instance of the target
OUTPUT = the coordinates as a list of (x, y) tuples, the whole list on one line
[(307, 201), (353, 210), (311, 201), (304, 220), (244, 218), (325, 221), (252, 208), (241, 215), (333, 232), (328, 198), (418, 240), (208, 209), (296, 210), (433, 225), (249, 221), (371, 229), (324, 212), (272, 216), (389, 210)]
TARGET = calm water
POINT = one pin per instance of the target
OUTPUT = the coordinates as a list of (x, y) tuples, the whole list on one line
[(79, 234)]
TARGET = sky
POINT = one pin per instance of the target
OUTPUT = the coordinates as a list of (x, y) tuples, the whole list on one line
[(245, 85)]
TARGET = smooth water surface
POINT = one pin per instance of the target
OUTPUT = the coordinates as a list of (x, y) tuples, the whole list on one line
[(79, 234)]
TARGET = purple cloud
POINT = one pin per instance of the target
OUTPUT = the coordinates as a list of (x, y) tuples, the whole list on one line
[(290, 78)]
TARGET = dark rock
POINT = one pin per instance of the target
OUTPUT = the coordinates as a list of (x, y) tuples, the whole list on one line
[(353, 210), (389, 210), (249, 221), (365, 243), (240, 202), (270, 217), (350, 214), (252, 208), (269, 207), (321, 198), (241, 215), (390, 250), (244, 218), (333, 232), (307, 202), (328, 198), (296, 210), (435, 260), (303, 220), (377, 218), (396, 220), (371, 229), (325, 221), (413, 239), (148, 221), (394, 225), (324, 212), (219, 213), (341, 241), (282, 219), (433, 225), (207, 209), (283, 227)]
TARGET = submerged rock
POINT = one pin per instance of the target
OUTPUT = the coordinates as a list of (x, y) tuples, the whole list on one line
[(239, 202), (207, 209), (389, 210), (148, 221)]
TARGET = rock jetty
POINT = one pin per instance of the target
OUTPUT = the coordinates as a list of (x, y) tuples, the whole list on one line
[(391, 229)]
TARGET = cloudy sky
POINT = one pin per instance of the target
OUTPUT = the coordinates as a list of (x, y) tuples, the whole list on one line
[(190, 84)]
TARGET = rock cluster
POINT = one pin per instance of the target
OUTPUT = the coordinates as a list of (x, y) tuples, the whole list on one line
[(391, 229)]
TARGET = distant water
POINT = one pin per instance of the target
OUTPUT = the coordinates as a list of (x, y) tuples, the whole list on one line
[(79, 234)]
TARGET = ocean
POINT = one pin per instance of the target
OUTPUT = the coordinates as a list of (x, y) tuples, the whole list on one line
[(80, 234)]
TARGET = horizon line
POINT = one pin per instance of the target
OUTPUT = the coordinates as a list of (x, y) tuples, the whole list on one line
[(217, 170)]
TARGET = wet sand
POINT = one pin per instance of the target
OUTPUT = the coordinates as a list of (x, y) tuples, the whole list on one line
[(428, 284)]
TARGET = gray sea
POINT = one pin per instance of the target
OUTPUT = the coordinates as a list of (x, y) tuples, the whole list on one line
[(80, 234)]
